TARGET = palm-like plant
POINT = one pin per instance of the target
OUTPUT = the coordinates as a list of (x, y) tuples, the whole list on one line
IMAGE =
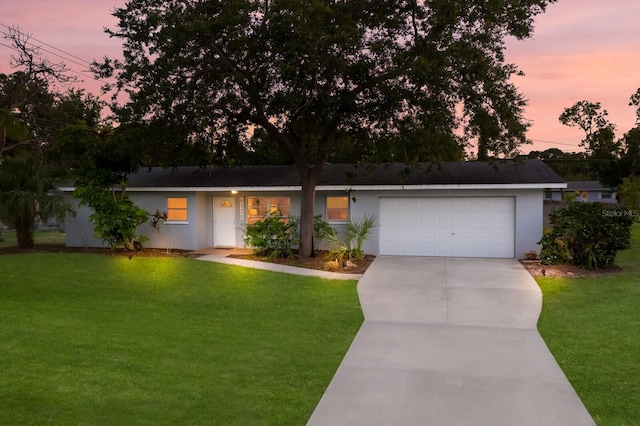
[(357, 232), (26, 193)]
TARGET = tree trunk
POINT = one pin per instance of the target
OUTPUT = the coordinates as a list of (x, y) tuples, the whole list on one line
[(25, 223), (3, 139), (24, 235), (307, 209)]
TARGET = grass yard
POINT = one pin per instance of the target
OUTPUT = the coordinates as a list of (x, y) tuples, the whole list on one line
[(592, 326), (90, 339), (40, 237)]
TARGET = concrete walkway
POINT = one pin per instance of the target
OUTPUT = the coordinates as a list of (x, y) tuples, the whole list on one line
[(220, 256), (449, 341)]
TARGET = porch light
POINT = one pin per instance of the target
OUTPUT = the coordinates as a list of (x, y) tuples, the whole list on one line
[(234, 191)]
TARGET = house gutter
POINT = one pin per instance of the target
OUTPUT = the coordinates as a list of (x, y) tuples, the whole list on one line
[(555, 185)]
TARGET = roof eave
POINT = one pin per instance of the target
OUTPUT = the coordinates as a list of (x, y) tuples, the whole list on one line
[(342, 187)]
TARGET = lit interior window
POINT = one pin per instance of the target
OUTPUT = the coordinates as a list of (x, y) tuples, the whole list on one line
[(177, 210), (337, 209), (260, 207)]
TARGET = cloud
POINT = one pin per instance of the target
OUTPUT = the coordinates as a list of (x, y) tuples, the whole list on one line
[(581, 49)]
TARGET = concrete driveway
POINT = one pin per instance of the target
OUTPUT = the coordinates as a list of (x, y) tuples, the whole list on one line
[(449, 341)]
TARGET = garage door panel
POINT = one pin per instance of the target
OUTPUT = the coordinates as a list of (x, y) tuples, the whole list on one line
[(406, 234), (408, 218), (428, 233), (461, 219), (388, 218), (426, 217), (448, 226)]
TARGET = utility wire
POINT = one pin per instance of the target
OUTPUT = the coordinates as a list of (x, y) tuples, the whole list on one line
[(48, 51), (54, 53), (556, 143), (46, 44)]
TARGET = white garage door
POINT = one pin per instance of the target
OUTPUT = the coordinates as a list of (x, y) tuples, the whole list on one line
[(448, 226)]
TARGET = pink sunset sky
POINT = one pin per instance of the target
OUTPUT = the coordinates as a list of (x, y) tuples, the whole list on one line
[(581, 49)]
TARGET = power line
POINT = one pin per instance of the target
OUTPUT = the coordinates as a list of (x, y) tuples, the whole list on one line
[(69, 69), (6, 45), (46, 44), (48, 51), (556, 143), (55, 54)]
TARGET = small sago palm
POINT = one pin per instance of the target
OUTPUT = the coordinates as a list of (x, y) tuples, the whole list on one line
[(358, 232)]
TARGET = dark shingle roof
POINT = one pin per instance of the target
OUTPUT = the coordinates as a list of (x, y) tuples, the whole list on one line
[(473, 172), (586, 185)]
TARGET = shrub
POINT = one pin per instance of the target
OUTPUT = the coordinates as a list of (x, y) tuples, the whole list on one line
[(116, 223), (358, 231), (554, 250), (586, 234), (531, 255), (115, 217), (630, 191), (275, 235), (321, 229)]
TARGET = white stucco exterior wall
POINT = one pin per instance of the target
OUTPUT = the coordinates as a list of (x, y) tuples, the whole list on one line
[(198, 231)]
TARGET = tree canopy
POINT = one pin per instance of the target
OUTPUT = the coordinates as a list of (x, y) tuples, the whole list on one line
[(32, 113), (610, 159), (323, 78)]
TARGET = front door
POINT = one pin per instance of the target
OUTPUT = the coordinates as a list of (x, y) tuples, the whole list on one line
[(224, 222)]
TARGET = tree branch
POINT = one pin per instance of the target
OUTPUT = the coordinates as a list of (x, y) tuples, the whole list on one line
[(30, 57)]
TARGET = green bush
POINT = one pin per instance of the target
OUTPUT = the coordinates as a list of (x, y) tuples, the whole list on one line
[(116, 223), (321, 229), (587, 234), (630, 191), (275, 235), (358, 231), (554, 249), (115, 217)]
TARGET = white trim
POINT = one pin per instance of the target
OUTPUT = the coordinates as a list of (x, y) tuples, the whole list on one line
[(240, 189), (444, 186)]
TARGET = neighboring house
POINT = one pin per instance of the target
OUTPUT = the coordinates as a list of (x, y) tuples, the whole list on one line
[(585, 191), (471, 209)]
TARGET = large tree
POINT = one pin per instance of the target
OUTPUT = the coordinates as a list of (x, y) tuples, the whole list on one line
[(610, 159), (31, 113), (318, 73), (26, 97)]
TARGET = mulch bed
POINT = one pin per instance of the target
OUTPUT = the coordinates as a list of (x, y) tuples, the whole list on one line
[(318, 262), (537, 269)]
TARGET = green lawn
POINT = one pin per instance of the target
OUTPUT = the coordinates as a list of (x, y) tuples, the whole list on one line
[(40, 237), (592, 326), (89, 339)]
